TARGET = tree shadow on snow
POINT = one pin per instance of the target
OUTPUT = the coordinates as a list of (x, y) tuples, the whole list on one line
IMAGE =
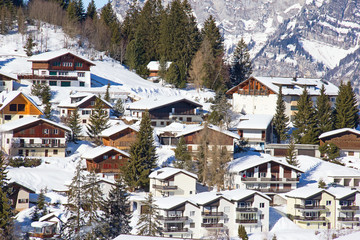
[(97, 81), (305, 176), (4, 62)]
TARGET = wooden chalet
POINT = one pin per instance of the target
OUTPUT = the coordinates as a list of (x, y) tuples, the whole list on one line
[(251, 86), (59, 68), (19, 196), (347, 139), (106, 160), (119, 136), (16, 105)]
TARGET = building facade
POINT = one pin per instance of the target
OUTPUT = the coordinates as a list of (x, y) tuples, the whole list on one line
[(119, 136), (347, 139)]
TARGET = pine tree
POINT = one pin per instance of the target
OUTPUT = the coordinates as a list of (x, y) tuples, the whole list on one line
[(242, 233), (305, 122), (80, 11), (40, 208), (3, 172), (149, 220), (21, 21), (329, 151), (107, 94), (212, 33), (321, 184), (6, 220), (324, 113), (281, 120), (98, 121), (183, 157), (346, 108), (291, 154), (119, 108), (71, 11), (220, 158), (142, 157), (220, 110), (173, 76), (74, 124), (241, 67), (274, 237), (91, 10), (203, 155), (116, 211), (29, 46), (47, 111)]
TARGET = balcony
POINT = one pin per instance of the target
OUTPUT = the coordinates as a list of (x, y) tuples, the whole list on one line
[(310, 219), (212, 214), (264, 179), (249, 179), (349, 208), (212, 225), (348, 219), (46, 77), (246, 209), (310, 207), (37, 145), (244, 221), (175, 229), (271, 190), (174, 219), (161, 187)]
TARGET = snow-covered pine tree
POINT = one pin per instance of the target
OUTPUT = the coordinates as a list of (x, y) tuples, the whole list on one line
[(40, 208), (117, 214), (74, 124), (149, 220), (98, 121), (119, 108), (281, 121), (220, 110), (324, 113), (183, 157)]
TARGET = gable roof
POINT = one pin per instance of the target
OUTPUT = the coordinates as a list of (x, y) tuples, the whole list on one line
[(12, 125), (9, 97), (155, 65), (30, 190), (249, 161), (172, 202), (207, 197), (47, 56), (67, 102), (9, 75), (341, 192), (239, 194), (296, 84), (254, 121), (100, 150), (337, 131), (153, 103), (115, 129), (305, 192), (210, 126), (167, 172)]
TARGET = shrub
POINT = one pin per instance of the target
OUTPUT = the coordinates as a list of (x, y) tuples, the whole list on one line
[(24, 162)]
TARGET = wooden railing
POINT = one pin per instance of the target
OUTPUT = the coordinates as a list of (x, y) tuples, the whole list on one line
[(46, 77), (349, 208), (309, 218), (319, 207), (348, 219), (246, 209)]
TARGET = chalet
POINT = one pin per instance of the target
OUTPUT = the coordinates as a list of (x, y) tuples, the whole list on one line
[(172, 181), (59, 68), (34, 137), (165, 111), (6, 81), (258, 95), (48, 227), (119, 136), (262, 173), (154, 67), (255, 129), (105, 160), (84, 103), (347, 139), (215, 135), (16, 105), (19, 196)]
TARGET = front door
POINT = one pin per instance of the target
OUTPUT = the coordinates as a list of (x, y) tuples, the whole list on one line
[(46, 152), (27, 152)]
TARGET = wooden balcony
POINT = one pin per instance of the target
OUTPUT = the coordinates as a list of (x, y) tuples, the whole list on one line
[(310, 219), (349, 208), (246, 209), (174, 219), (212, 214), (348, 219), (167, 188), (252, 92), (175, 229), (312, 207), (263, 179), (212, 225), (47, 77), (246, 221)]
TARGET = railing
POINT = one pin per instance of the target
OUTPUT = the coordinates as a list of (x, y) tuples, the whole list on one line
[(161, 187), (252, 92), (309, 218), (179, 218), (292, 179), (213, 214), (262, 179), (175, 229), (246, 209), (350, 208), (37, 145), (246, 220), (212, 225), (252, 179), (47, 77), (348, 219), (271, 190), (320, 207)]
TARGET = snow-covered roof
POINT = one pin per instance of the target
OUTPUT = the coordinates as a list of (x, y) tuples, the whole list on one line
[(67, 102), (152, 103), (254, 121), (167, 172), (115, 129), (41, 224), (239, 194), (9, 97), (296, 85), (135, 237), (100, 150), (9, 75), (155, 65), (304, 192), (249, 161), (341, 192), (9, 126), (54, 54), (205, 197), (337, 131), (171, 202), (210, 126)]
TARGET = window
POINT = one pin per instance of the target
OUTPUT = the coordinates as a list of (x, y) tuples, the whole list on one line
[(21, 107), (294, 98), (192, 213), (67, 64), (20, 152), (52, 83), (84, 120), (192, 225), (63, 111), (351, 153), (188, 119), (262, 205), (113, 157), (63, 73), (82, 84), (190, 192), (13, 107), (81, 74), (92, 103), (53, 73), (31, 141), (162, 123), (263, 174), (43, 72), (226, 220), (65, 84), (105, 157), (328, 203), (46, 131), (308, 224), (294, 108), (7, 141), (328, 214), (56, 64), (180, 118), (85, 112), (78, 64), (55, 152), (23, 200), (261, 216), (56, 131), (7, 117)]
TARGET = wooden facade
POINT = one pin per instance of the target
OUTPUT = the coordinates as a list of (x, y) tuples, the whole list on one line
[(90, 103), (20, 105), (344, 140), (182, 107), (251, 86), (109, 162), (215, 137), (121, 140), (39, 129)]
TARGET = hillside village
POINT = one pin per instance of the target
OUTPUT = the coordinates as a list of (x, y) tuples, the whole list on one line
[(93, 150)]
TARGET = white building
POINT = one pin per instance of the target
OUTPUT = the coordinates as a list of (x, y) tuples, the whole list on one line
[(7, 81), (258, 95), (172, 182)]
